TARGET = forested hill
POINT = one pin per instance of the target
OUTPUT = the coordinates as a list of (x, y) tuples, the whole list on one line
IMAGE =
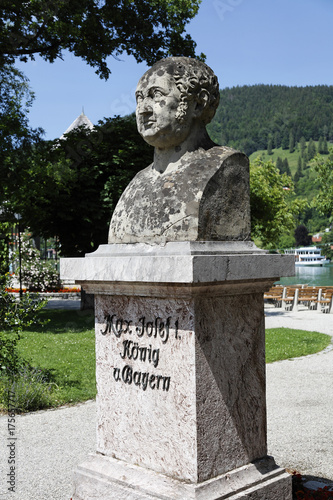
[(271, 116)]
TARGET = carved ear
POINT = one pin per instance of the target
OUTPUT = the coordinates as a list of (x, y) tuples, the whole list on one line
[(201, 102)]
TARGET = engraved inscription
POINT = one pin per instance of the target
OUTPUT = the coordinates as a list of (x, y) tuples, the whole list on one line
[(155, 328), (133, 350), (141, 379)]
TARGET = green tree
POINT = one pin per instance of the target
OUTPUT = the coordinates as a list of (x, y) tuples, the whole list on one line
[(273, 208), (71, 187), (286, 168), (270, 145), (324, 170), (94, 30), (302, 146), (311, 152), (302, 237), (15, 135), (291, 143), (326, 244), (285, 140), (320, 145), (4, 251), (298, 173), (279, 164)]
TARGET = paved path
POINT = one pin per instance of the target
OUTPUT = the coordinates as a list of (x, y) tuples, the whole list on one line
[(300, 400), (300, 436)]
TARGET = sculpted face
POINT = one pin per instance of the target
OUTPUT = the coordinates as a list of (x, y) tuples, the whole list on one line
[(158, 99)]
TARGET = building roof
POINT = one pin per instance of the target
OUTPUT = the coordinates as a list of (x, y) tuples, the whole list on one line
[(81, 121)]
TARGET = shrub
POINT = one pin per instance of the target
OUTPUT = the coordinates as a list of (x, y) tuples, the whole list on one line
[(14, 315), (27, 390)]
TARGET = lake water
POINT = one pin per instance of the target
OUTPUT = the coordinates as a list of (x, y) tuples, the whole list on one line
[(315, 276)]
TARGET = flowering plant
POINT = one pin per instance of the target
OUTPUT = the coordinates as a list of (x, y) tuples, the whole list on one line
[(37, 275)]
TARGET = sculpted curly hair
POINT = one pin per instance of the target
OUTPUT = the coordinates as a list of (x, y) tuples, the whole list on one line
[(191, 77)]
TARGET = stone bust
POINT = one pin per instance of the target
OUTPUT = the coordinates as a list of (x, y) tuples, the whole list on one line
[(194, 190)]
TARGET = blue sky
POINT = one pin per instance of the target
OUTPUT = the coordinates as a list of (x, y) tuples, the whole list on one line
[(287, 42)]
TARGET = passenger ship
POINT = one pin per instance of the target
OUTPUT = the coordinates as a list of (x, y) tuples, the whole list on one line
[(308, 256)]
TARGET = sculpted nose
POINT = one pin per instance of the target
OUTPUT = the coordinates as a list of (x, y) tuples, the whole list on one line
[(144, 106)]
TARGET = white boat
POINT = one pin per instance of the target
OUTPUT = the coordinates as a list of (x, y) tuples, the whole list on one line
[(308, 256)]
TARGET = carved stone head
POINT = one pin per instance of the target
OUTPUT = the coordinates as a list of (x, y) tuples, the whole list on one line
[(171, 96)]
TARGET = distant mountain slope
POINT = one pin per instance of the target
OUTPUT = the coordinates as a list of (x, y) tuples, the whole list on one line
[(255, 117)]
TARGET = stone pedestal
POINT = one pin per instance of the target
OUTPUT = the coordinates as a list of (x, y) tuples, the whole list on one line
[(180, 368)]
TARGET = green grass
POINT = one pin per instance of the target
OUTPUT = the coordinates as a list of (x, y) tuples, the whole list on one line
[(282, 153), (283, 343), (66, 347)]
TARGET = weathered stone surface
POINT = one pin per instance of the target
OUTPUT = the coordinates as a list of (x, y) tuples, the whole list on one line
[(98, 476), (176, 262), (194, 190), (205, 198), (181, 383)]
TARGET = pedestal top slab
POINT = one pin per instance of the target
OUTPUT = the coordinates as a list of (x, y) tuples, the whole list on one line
[(177, 262)]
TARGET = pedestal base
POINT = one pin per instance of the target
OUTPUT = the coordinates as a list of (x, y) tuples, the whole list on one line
[(105, 478)]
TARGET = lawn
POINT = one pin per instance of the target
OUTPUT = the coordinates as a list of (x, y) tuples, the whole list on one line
[(65, 347), (283, 343)]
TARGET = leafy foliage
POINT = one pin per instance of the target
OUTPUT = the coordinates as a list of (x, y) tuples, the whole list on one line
[(326, 245), (4, 252), (70, 187), (324, 170), (95, 29), (272, 207), (14, 316), (16, 137)]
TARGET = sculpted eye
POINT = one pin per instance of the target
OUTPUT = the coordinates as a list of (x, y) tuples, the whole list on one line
[(157, 93), (139, 97)]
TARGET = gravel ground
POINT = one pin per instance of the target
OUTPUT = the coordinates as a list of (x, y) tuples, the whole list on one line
[(51, 443)]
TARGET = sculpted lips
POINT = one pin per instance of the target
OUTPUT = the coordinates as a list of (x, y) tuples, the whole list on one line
[(148, 123)]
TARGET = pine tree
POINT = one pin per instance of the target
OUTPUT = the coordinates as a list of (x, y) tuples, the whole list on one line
[(285, 140), (320, 145), (311, 150), (302, 236), (291, 143), (298, 173), (304, 164), (286, 167), (302, 146), (279, 164), (325, 147), (269, 145)]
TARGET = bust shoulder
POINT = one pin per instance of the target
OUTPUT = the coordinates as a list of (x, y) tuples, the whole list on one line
[(205, 196)]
